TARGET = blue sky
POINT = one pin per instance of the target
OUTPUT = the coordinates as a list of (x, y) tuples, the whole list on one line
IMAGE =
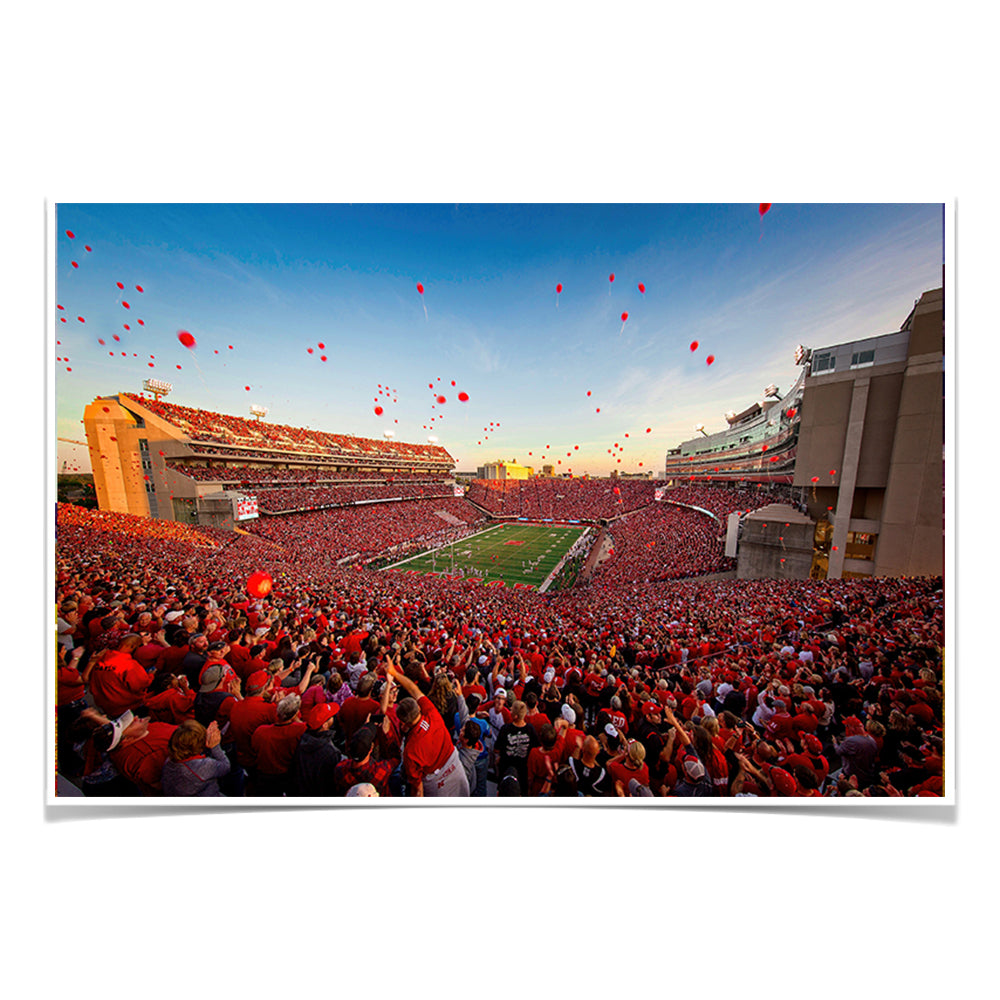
[(276, 280)]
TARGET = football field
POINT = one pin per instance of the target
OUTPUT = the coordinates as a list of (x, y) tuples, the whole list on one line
[(514, 553)]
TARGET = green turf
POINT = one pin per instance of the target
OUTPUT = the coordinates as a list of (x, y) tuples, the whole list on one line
[(542, 544)]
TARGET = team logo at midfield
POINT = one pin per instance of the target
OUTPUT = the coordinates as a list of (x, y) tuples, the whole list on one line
[(514, 541)]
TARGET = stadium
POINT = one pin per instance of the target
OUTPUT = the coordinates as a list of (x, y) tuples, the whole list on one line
[(261, 610)]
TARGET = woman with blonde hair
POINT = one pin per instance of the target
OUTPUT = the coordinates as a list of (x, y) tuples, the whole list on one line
[(194, 761)]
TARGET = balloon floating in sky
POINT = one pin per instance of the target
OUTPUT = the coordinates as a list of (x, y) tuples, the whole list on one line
[(70, 235), (259, 584), (763, 208), (378, 411), (694, 345), (441, 399), (186, 339), (126, 305), (611, 277), (420, 288), (709, 359), (559, 289), (74, 263), (119, 284), (138, 288), (463, 397), (642, 288)]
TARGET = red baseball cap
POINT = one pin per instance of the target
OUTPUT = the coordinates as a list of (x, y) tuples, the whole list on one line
[(650, 708), (784, 783), (319, 714), (259, 679)]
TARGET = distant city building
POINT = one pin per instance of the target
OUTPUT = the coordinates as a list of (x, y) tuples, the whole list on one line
[(504, 470)]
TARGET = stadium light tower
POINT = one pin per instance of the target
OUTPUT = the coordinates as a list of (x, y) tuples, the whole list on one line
[(257, 411), (157, 387)]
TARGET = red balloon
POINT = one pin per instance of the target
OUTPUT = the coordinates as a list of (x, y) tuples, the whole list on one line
[(186, 339), (88, 249), (59, 307), (815, 479), (138, 288), (70, 235), (74, 263), (642, 288), (127, 327), (309, 350), (694, 345), (452, 381), (598, 409), (833, 472), (588, 392), (624, 317), (321, 346), (441, 399), (378, 411), (709, 359), (322, 357), (140, 322), (81, 319), (259, 584), (119, 284), (126, 305), (764, 207), (420, 288), (463, 397), (648, 429), (576, 447), (558, 289), (247, 388), (611, 277)]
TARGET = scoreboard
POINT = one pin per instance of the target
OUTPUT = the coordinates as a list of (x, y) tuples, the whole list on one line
[(244, 508)]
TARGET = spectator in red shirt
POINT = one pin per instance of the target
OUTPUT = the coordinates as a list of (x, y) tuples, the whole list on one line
[(431, 763), (256, 709), (543, 761), (118, 682), (274, 748)]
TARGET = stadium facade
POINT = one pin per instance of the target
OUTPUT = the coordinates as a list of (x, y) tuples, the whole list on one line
[(860, 435), (158, 459)]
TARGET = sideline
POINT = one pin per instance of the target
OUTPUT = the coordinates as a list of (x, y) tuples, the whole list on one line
[(445, 545)]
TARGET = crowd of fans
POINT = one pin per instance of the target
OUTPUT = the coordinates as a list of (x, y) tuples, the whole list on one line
[(240, 476), (366, 531), (224, 428), (663, 542), (312, 497), (561, 499), (172, 680)]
